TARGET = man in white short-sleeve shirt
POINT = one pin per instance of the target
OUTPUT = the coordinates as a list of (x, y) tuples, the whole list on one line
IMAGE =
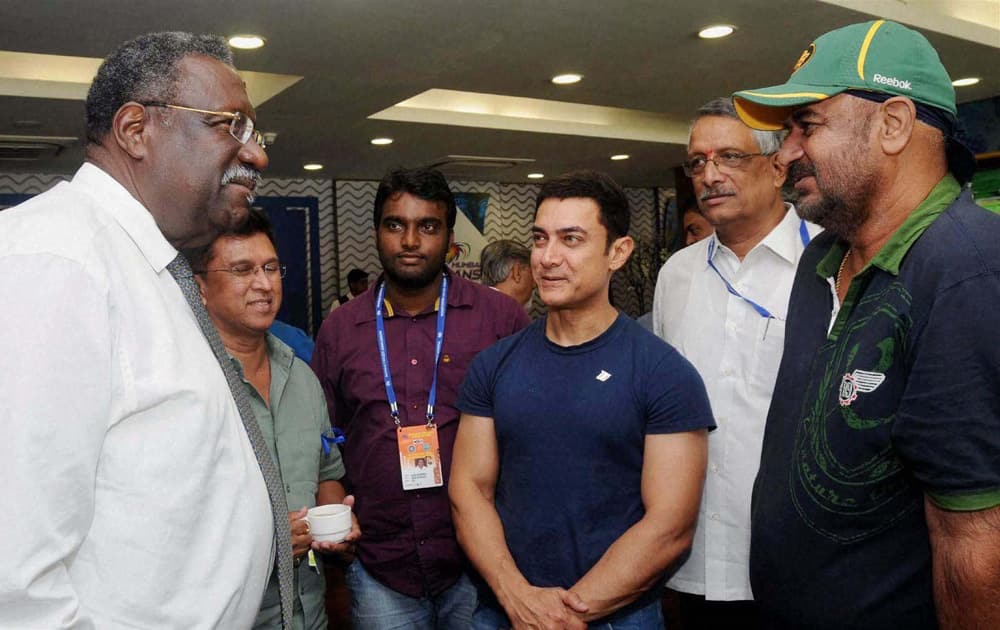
[(722, 302)]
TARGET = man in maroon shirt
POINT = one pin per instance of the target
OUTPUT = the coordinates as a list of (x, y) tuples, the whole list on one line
[(391, 385)]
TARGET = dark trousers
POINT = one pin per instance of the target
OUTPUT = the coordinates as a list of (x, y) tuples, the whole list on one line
[(692, 612)]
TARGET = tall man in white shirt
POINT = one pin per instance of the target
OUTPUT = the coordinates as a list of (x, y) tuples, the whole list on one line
[(132, 496), (722, 303)]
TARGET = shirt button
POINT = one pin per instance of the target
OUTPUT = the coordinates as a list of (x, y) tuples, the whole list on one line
[(416, 406), (413, 361), (715, 517), (727, 372), (421, 542), (715, 468)]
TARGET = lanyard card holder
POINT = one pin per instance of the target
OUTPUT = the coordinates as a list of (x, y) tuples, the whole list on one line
[(419, 457)]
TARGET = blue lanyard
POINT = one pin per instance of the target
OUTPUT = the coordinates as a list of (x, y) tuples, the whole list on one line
[(763, 312), (383, 352)]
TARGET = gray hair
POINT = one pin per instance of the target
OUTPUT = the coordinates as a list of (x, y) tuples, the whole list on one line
[(498, 258), (768, 142), (142, 70)]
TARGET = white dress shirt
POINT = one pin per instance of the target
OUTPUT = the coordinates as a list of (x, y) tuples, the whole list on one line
[(131, 495), (737, 351)]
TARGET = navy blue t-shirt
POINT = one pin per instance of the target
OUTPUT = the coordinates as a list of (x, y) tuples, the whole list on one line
[(898, 402), (571, 424)]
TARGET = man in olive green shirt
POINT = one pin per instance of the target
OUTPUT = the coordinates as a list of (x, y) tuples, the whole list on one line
[(240, 280)]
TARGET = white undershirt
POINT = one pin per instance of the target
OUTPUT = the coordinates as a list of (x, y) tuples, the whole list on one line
[(836, 304)]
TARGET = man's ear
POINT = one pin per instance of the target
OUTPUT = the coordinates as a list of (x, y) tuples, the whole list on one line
[(621, 249), (200, 279), (779, 170), (896, 117), (515, 272), (130, 129)]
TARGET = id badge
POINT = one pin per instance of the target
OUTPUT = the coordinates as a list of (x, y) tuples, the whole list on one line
[(419, 457)]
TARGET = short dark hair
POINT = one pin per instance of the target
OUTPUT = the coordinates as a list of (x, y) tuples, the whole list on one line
[(692, 208), (426, 183), (608, 195), (497, 260), (257, 223), (355, 275), (142, 70)]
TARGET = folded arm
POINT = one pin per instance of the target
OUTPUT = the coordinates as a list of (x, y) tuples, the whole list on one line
[(673, 473), (474, 469)]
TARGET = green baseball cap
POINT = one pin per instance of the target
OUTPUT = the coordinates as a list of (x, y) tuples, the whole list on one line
[(878, 56)]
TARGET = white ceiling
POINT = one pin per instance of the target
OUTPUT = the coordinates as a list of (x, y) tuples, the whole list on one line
[(362, 62)]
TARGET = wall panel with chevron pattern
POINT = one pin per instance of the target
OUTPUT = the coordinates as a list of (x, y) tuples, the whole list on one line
[(354, 247), (632, 286), (28, 183)]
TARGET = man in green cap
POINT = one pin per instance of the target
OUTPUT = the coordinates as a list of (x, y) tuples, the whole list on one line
[(877, 503)]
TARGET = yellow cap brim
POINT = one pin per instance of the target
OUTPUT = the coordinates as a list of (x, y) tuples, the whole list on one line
[(768, 108)]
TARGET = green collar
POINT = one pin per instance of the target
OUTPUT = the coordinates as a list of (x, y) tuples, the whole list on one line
[(891, 255)]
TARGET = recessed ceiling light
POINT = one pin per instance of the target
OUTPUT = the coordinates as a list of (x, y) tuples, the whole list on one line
[(246, 42), (566, 79), (967, 81), (536, 175), (313, 167), (620, 156), (716, 31), (381, 141)]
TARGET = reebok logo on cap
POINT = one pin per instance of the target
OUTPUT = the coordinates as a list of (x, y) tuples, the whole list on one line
[(893, 81), (846, 59)]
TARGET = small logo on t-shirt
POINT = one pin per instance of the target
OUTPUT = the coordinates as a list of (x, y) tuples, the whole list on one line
[(603, 376), (858, 381)]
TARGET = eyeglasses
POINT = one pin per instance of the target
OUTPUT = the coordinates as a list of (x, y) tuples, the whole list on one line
[(241, 126), (730, 160), (245, 272)]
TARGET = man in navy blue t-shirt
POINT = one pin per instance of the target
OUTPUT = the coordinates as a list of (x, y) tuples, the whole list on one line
[(581, 451), (877, 503)]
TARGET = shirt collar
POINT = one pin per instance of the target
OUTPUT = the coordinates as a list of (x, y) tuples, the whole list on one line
[(281, 356), (280, 352), (459, 294), (131, 215), (890, 257), (784, 239)]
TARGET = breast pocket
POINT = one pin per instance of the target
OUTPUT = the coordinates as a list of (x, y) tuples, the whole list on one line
[(769, 344)]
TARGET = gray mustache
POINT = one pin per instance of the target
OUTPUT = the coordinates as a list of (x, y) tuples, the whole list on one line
[(243, 174), (714, 191)]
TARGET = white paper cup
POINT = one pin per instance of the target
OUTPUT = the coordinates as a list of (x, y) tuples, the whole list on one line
[(329, 523)]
